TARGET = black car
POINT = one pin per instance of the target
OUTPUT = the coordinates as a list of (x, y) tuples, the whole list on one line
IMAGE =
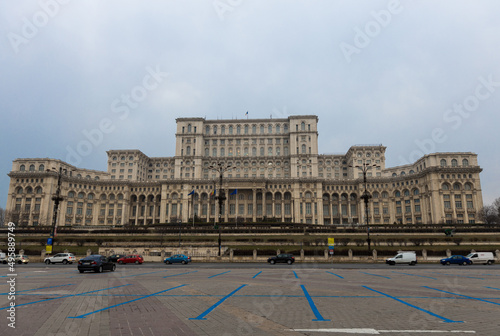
[(282, 258), (115, 257), (96, 263)]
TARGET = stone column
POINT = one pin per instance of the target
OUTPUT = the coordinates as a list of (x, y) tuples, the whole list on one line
[(254, 255), (424, 254), (374, 252), (350, 254)]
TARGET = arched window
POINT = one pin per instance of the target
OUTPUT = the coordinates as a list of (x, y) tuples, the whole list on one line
[(188, 150), (246, 129), (302, 126), (375, 195), (397, 194), (254, 151), (406, 192), (261, 129), (261, 151), (416, 192), (22, 168), (112, 197), (446, 186), (19, 190), (32, 167), (41, 167), (278, 129), (29, 190), (71, 194), (385, 194), (81, 195), (394, 174), (189, 128), (90, 196), (443, 163), (223, 130), (103, 197), (454, 163), (270, 129), (468, 186), (120, 197), (231, 129), (207, 130), (38, 190), (215, 129), (238, 129), (465, 163), (270, 151), (457, 186), (308, 194), (254, 129), (303, 150)]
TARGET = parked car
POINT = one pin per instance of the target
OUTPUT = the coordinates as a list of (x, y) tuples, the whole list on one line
[(21, 259), (96, 263), (282, 258), (456, 259), (408, 257), (115, 257), (131, 258), (486, 258), (177, 258), (65, 258)]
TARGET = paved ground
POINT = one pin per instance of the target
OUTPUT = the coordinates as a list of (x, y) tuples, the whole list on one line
[(200, 299)]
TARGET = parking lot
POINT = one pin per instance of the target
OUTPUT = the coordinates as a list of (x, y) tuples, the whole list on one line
[(219, 299)]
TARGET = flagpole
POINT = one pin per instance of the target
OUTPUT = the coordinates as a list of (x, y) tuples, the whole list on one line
[(193, 209)]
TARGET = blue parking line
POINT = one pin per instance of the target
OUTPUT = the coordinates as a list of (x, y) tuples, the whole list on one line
[(465, 296), (256, 275), (128, 276), (205, 313), (413, 306), (168, 276), (422, 276), (375, 275), (492, 288), (460, 276), (28, 290), (315, 310), (120, 304), (296, 276), (335, 275), (218, 274), (62, 297)]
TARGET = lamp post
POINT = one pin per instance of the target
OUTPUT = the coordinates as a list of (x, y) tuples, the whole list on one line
[(57, 199), (365, 197), (221, 169)]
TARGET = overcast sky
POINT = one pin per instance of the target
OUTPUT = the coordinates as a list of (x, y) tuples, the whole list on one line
[(416, 76)]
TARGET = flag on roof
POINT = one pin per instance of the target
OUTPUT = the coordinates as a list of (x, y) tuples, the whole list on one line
[(191, 193), (234, 192)]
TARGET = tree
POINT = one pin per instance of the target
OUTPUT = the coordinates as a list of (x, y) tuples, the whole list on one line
[(488, 214), (2, 216)]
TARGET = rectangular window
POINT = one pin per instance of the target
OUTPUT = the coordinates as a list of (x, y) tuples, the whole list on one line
[(232, 209), (241, 209), (269, 209), (326, 210), (277, 209), (469, 205), (458, 204), (344, 209), (417, 208), (447, 205), (353, 210), (174, 209), (308, 208), (335, 210), (250, 209), (259, 209)]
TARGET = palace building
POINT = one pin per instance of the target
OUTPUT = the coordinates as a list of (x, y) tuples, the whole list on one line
[(271, 171)]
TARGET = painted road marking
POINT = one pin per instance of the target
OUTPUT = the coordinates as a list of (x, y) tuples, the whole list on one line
[(375, 275), (128, 276), (422, 276), (413, 306), (465, 296), (168, 276), (212, 276), (120, 304), (368, 331), (312, 305), (335, 274), (296, 276), (256, 275), (64, 296), (205, 313)]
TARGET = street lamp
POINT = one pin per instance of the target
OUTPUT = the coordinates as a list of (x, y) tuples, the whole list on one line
[(57, 199), (365, 197), (221, 169)]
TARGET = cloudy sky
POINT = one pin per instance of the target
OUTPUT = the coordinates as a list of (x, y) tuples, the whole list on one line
[(415, 76)]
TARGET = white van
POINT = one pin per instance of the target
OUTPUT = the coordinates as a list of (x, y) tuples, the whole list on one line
[(486, 258), (403, 257)]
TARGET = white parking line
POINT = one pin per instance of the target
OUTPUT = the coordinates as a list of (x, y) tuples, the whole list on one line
[(369, 331)]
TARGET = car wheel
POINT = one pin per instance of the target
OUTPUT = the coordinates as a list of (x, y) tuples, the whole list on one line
[(167, 262), (184, 262), (5, 261), (19, 262), (412, 263), (393, 263), (113, 268), (65, 261), (99, 270), (489, 262), (447, 263), (137, 261), (81, 271), (47, 262), (463, 263), (272, 262), (289, 262)]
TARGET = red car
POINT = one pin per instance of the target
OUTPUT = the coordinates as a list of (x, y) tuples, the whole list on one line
[(131, 258)]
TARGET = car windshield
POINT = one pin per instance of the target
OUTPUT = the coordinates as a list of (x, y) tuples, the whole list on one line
[(92, 258)]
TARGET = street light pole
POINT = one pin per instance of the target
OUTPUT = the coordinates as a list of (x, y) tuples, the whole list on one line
[(57, 199), (365, 197), (220, 168)]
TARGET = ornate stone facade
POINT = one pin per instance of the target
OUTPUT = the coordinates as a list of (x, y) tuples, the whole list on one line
[(276, 174)]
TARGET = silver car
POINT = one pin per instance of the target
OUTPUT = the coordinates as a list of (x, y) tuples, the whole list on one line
[(65, 258)]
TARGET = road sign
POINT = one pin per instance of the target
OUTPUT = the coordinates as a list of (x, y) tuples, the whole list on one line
[(48, 249)]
